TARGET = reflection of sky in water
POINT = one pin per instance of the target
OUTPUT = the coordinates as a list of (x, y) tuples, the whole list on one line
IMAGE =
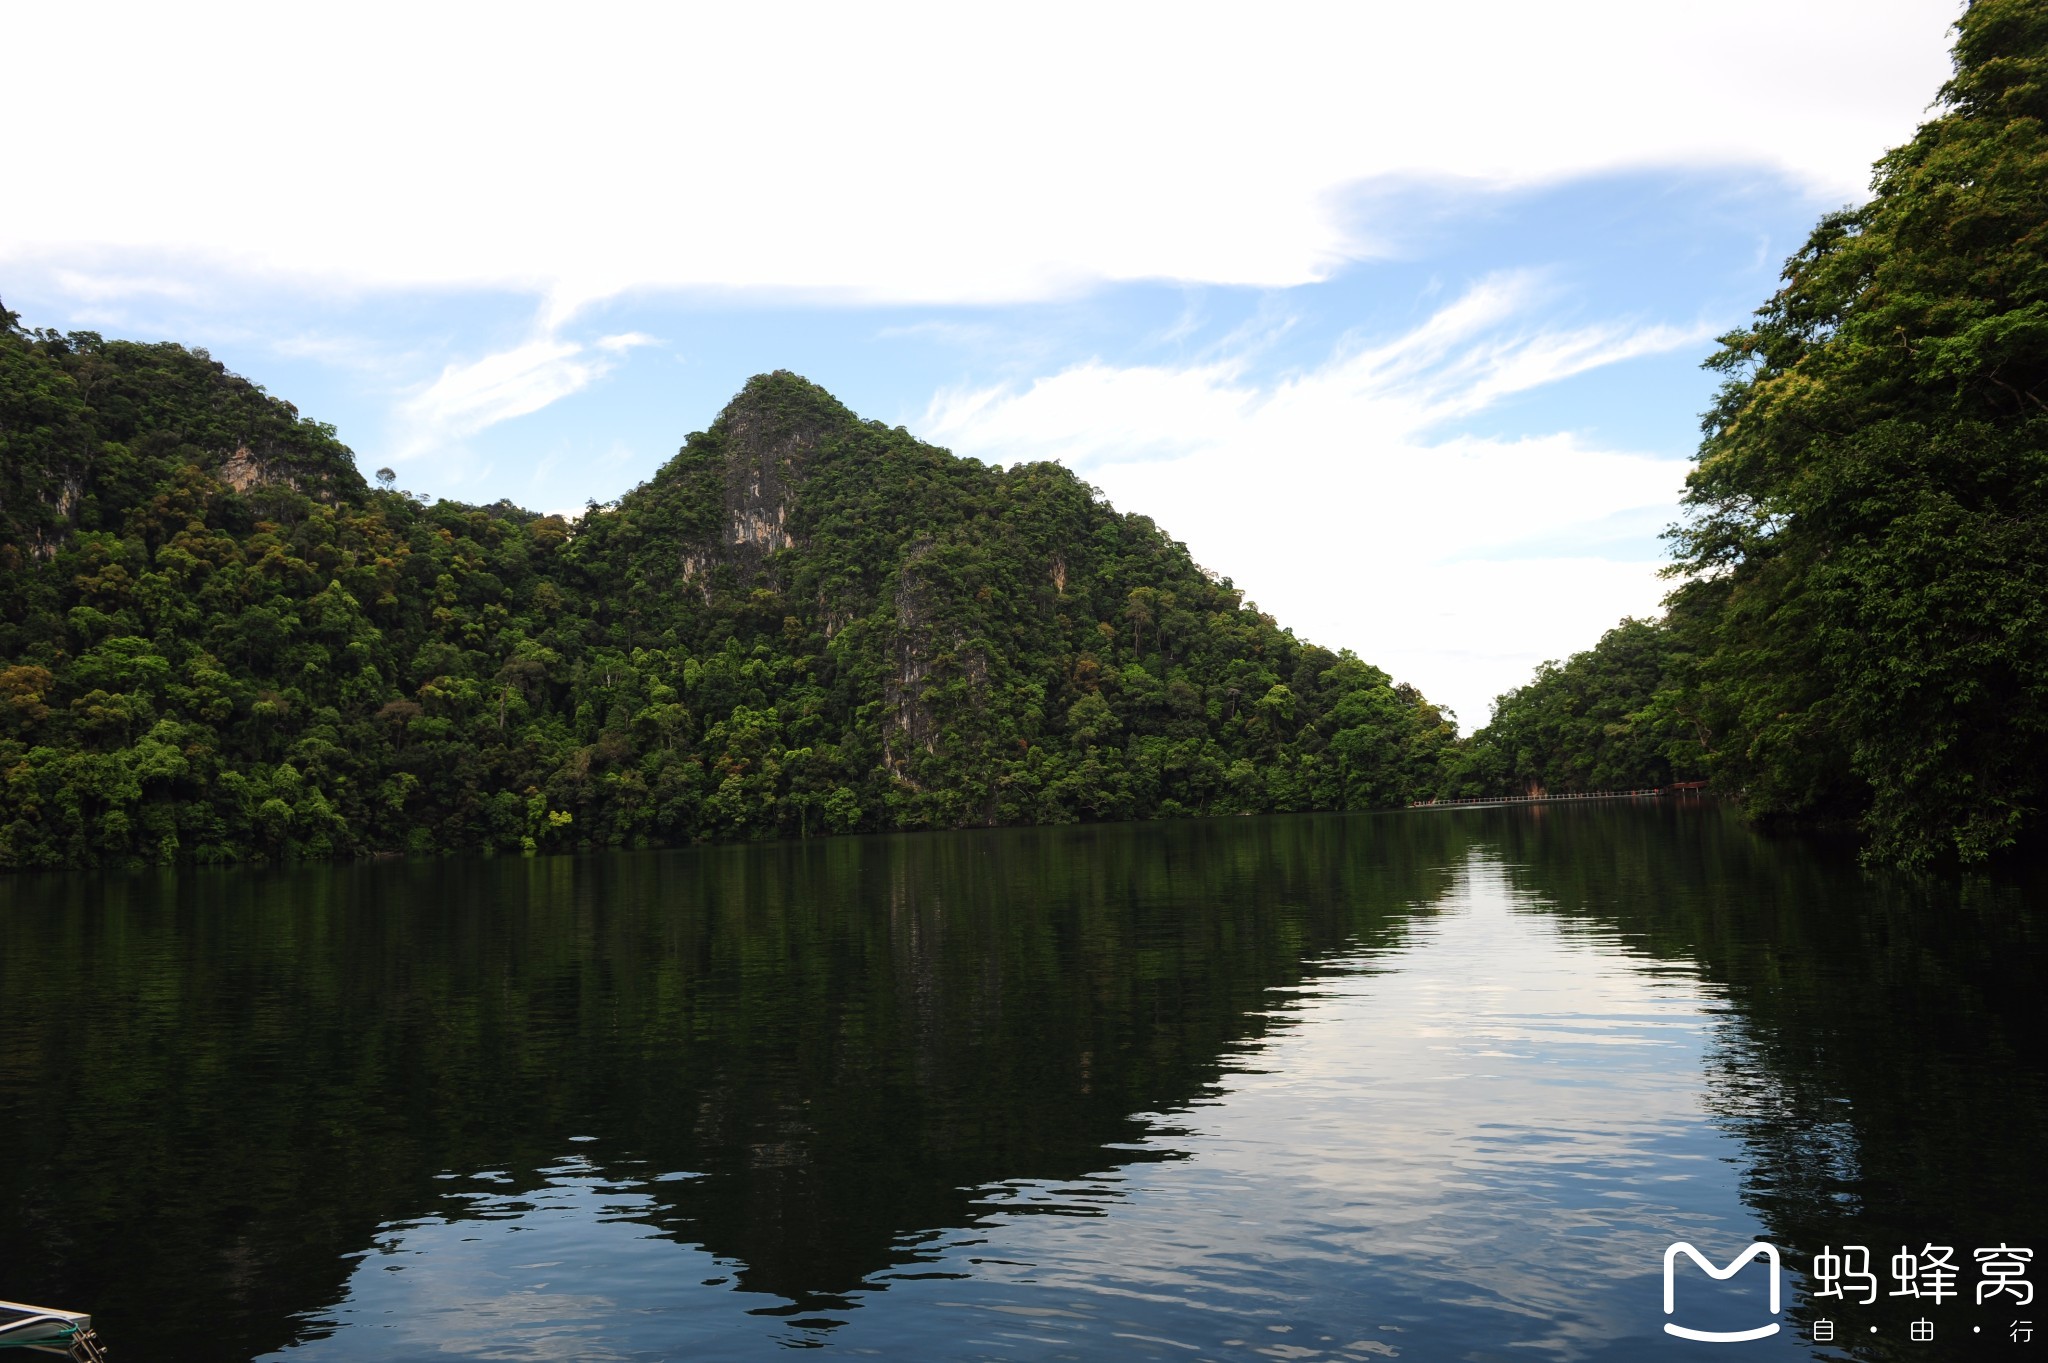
[(1476, 1145)]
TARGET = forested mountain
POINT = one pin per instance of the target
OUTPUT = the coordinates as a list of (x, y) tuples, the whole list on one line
[(1859, 638), (217, 641)]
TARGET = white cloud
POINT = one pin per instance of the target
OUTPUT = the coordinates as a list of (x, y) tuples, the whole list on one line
[(97, 287), (469, 397), (472, 396), (384, 363), (930, 152), (1334, 499)]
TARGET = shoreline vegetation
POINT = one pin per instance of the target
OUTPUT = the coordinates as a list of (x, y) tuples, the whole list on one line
[(1857, 639), (219, 642)]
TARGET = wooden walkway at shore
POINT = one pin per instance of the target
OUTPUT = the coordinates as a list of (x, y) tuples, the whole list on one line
[(1479, 801)]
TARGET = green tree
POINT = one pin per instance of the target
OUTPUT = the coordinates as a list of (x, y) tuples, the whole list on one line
[(1866, 555)]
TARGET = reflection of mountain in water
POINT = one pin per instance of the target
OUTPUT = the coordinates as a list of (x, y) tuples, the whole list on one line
[(213, 1086), (1886, 1067)]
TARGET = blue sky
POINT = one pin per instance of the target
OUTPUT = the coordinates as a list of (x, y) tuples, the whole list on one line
[(1396, 322)]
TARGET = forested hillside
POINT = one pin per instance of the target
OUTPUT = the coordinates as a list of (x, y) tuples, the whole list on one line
[(1859, 637), (1615, 717), (1867, 549), (218, 642)]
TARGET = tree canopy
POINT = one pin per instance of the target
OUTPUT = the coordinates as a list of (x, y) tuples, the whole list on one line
[(1865, 557), (218, 642)]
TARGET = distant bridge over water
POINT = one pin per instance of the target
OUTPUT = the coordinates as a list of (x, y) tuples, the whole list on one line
[(1487, 801)]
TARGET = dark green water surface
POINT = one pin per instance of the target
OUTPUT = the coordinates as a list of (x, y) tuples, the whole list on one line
[(1440, 1085)]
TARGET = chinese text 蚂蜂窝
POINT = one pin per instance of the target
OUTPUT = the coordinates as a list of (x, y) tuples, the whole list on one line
[(1929, 1273)]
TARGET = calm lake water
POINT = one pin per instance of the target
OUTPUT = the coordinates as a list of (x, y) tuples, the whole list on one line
[(1440, 1085)]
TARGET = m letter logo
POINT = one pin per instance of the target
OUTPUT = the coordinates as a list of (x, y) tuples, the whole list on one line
[(1759, 1250)]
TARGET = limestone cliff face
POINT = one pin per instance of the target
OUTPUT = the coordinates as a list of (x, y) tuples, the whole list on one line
[(793, 516), (245, 469), (766, 458), (766, 451), (45, 539), (909, 724)]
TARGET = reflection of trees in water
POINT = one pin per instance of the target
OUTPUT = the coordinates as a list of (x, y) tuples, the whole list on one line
[(214, 1085), (1883, 1065)]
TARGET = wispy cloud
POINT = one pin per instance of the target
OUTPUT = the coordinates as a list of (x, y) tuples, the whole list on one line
[(1465, 357), (512, 383), (1350, 487), (472, 396), (96, 287), (383, 361)]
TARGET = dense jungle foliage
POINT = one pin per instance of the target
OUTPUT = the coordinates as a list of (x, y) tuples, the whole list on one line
[(1615, 717), (218, 642), (1867, 547), (1860, 634)]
